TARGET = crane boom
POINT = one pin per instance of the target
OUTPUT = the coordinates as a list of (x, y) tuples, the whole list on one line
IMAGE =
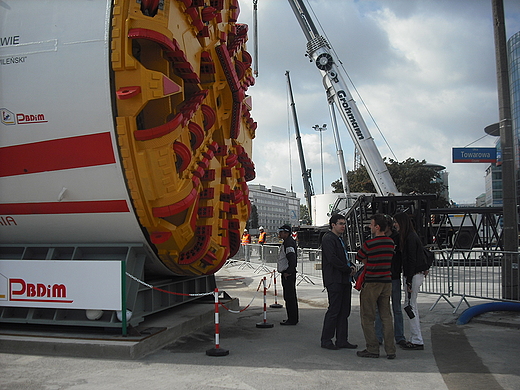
[(319, 51), (306, 173)]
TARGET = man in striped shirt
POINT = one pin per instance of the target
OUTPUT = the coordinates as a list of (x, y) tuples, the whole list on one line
[(376, 254)]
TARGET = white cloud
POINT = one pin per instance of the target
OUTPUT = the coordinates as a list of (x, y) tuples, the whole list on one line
[(426, 70)]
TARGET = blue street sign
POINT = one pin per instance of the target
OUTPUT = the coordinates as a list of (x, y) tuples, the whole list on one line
[(474, 155)]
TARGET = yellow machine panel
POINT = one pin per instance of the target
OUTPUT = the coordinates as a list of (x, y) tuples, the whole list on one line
[(181, 74)]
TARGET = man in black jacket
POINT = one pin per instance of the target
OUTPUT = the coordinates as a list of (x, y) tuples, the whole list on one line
[(287, 259), (337, 274)]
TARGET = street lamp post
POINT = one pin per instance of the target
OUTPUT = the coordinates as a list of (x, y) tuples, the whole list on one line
[(321, 129)]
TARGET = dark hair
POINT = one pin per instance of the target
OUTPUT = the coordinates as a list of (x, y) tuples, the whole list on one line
[(405, 226), (380, 219), (389, 221), (334, 219)]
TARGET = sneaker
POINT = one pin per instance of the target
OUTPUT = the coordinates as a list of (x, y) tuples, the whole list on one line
[(412, 347), (287, 322), (347, 345), (367, 354), (391, 356)]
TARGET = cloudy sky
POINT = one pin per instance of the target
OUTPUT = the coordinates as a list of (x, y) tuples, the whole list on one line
[(424, 68)]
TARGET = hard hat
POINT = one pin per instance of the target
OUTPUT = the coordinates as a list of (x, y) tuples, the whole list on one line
[(261, 228)]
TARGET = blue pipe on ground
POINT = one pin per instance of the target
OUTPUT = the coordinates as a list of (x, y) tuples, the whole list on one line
[(471, 312)]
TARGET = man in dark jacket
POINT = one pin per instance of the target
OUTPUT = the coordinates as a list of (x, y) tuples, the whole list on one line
[(337, 272), (287, 260)]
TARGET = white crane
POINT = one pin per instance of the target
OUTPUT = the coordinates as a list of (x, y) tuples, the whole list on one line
[(319, 51)]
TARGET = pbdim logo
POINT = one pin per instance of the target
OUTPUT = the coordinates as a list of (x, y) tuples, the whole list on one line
[(8, 117), (22, 291)]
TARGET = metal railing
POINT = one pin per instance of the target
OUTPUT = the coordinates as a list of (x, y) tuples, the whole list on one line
[(474, 273), (461, 273)]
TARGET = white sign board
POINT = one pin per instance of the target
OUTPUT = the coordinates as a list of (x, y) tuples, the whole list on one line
[(61, 284)]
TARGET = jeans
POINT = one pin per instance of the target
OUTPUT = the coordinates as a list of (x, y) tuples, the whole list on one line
[(415, 324), (247, 252), (398, 315), (377, 296)]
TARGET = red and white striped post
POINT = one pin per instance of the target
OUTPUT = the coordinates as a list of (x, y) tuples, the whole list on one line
[(217, 351), (264, 323), (275, 305)]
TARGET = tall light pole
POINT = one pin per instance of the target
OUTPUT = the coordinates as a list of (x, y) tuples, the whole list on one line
[(321, 129)]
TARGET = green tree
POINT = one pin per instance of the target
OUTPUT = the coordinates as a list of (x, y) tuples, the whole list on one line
[(252, 223), (358, 181), (410, 176), (305, 217)]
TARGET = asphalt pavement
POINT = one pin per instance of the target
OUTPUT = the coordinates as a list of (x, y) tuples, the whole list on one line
[(482, 354)]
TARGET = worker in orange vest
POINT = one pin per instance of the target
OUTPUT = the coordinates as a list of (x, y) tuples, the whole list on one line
[(261, 240), (246, 239), (263, 236)]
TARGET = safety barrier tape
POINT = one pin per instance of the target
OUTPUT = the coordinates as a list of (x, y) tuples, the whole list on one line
[(246, 307), (166, 291), (208, 293)]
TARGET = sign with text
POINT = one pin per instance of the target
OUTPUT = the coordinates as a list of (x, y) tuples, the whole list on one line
[(61, 284), (474, 155)]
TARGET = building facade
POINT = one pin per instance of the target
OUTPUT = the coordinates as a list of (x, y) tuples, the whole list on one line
[(513, 50), (275, 206), (494, 172), (493, 186), (480, 201)]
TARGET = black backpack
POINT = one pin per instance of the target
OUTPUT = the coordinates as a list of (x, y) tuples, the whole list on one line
[(429, 257)]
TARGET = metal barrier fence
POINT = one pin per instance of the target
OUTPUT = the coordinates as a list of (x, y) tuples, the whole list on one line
[(264, 258), (474, 273), (461, 273)]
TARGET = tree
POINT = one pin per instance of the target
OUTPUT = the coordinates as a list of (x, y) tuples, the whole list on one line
[(410, 176), (305, 217), (252, 223), (358, 181)]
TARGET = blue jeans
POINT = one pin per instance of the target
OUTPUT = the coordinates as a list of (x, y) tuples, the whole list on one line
[(398, 314)]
